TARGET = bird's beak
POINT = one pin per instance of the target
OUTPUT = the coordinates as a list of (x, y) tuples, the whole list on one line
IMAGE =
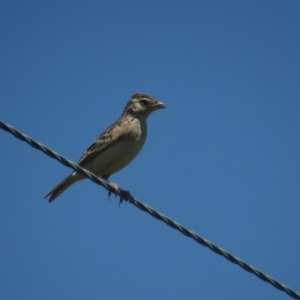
[(157, 105)]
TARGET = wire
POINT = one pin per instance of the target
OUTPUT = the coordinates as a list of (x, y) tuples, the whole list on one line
[(127, 196)]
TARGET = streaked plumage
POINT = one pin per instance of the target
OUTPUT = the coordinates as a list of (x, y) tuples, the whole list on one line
[(117, 146)]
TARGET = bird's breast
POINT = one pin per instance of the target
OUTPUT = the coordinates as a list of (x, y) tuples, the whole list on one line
[(123, 151)]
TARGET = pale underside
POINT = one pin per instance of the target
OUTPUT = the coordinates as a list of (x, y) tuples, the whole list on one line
[(115, 154)]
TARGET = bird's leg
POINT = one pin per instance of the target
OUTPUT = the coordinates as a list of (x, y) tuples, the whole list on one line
[(125, 195), (115, 189)]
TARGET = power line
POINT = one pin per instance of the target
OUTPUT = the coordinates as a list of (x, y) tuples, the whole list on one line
[(126, 195)]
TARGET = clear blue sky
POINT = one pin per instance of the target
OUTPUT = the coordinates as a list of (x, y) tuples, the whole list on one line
[(222, 159)]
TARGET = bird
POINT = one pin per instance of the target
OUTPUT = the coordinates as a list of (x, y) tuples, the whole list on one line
[(117, 146)]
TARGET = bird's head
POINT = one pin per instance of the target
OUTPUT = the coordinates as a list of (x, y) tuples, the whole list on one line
[(142, 105)]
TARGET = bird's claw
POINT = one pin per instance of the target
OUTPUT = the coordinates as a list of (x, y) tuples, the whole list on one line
[(124, 195), (114, 189)]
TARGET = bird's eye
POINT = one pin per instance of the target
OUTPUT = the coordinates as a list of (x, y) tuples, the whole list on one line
[(144, 102)]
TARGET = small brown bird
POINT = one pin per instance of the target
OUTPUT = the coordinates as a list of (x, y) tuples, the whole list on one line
[(117, 146)]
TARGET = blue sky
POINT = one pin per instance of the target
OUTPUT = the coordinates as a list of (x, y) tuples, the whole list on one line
[(222, 159)]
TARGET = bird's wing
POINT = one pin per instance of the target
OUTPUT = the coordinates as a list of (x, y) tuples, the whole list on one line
[(110, 136)]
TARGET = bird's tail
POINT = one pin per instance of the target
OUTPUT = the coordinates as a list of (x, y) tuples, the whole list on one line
[(62, 186)]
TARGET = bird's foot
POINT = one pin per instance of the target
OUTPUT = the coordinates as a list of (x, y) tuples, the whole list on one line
[(115, 189), (124, 195)]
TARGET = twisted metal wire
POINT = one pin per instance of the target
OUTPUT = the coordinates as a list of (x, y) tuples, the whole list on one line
[(126, 195)]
